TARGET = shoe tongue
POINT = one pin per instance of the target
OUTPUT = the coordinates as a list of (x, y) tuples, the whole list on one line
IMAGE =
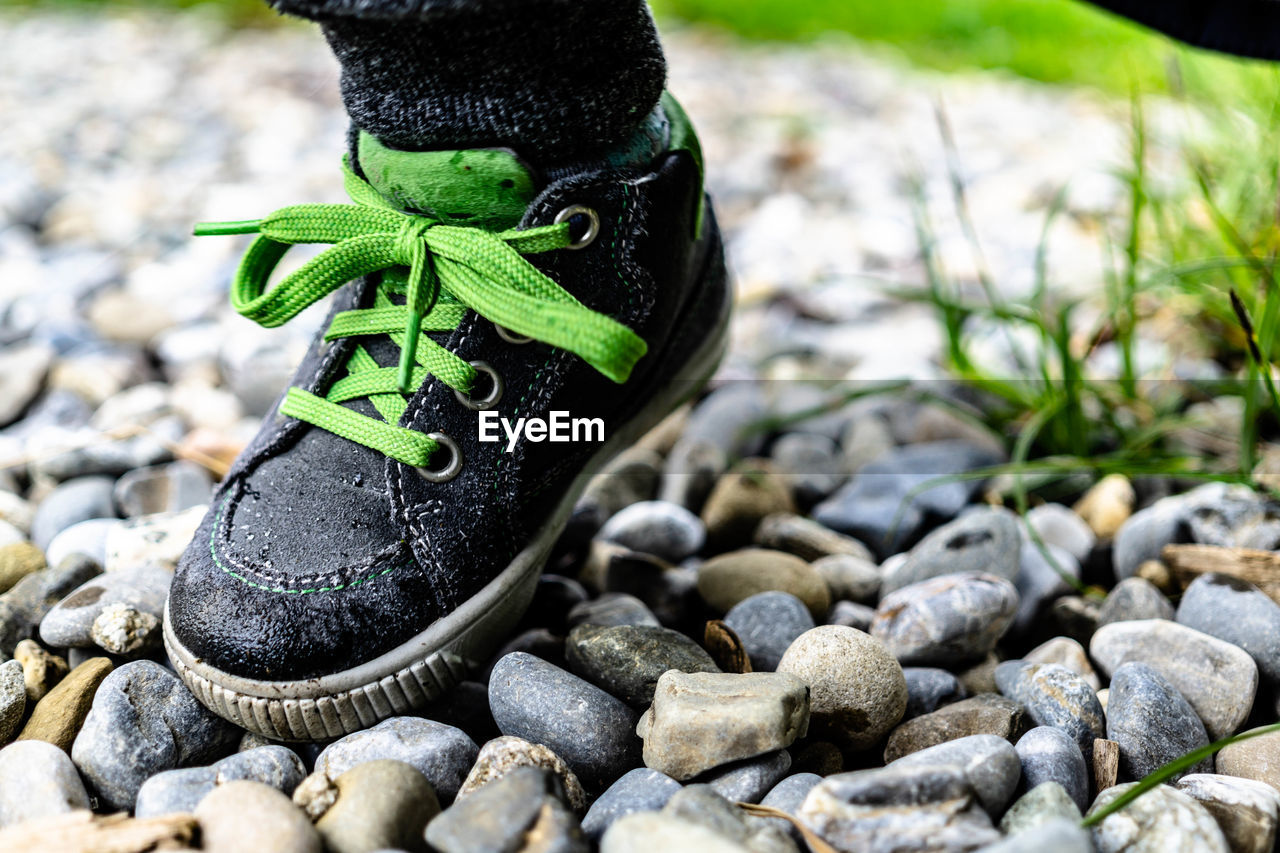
[(485, 188)]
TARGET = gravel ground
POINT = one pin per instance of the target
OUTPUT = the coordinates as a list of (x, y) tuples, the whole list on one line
[(889, 672)]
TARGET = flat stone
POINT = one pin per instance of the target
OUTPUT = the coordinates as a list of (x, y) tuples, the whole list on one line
[(1257, 758), (990, 764), (1051, 756), (1068, 653), (17, 560), (748, 781), (13, 699), (1134, 598), (58, 717), (984, 540), (247, 815), (984, 714), (381, 804), (627, 660), (179, 791), (443, 754), (592, 731), (1163, 820), (703, 720), (523, 807), (898, 808), (71, 502), (1152, 722), (767, 623), (639, 790), (1054, 696), (1217, 678), (37, 780), (1246, 810), (807, 539), (1239, 613), (1042, 804), (142, 590), (23, 606), (1062, 527), (948, 620), (928, 689), (849, 577), (740, 500), (725, 580), (500, 756), (142, 721), (663, 529), (857, 690)]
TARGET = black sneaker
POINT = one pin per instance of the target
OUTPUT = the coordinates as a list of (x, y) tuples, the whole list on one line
[(373, 543)]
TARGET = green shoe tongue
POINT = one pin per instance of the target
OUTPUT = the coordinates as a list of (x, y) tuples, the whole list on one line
[(482, 188)]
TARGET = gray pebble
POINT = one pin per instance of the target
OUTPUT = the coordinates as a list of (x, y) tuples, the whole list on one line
[(1048, 755), (812, 465), (13, 699), (37, 779), (442, 753), (850, 614), (1217, 678), (929, 689), (1145, 534), (1239, 613), (87, 539), (592, 731), (142, 589), (1054, 696), (768, 623), (143, 721), (1041, 580), (626, 660), (639, 790), (984, 540), (1246, 810), (1163, 820), (748, 781), (1134, 598), (70, 503), (985, 713), (1043, 803), (1069, 653), (701, 806), (498, 816), (787, 796), (807, 539), (990, 764), (181, 790), (1151, 721), (660, 528), (1052, 836), (1060, 526), (948, 620), (849, 577), (23, 606), (1232, 516), (163, 488), (612, 609)]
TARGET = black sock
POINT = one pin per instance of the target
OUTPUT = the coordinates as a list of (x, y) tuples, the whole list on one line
[(557, 80)]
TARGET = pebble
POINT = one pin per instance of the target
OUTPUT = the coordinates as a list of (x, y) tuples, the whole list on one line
[(246, 815), (155, 540), (984, 714), (501, 755), (16, 512), (1051, 756), (1043, 576), (812, 463), (140, 590), (1041, 804), (1217, 678), (592, 731), (980, 677), (767, 623), (645, 831), (524, 807), (928, 689), (630, 477), (142, 721), (1239, 613), (626, 660), (1054, 696), (898, 808), (807, 539), (1052, 836), (22, 374), (441, 753), (639, 790), (660, 528), (712, 436), (850, 614), (1232, 516), (740, 500), (41, 669), (1132, 599), (702, 806), (37, 780), (1151, 721), (1068, 653), (947, 620), (857, 690), (10, 535), (983, 540), (1163, 820), (70, 503), (1246, 811), (703, 720), (1075, 617), (849, 577), (1257, 758), (1063, 528), (13, 699), (1107, 505), (179, 791), (381, 804), (749, 780), (725, 580), (163, 488), (22, 607), (17, 560), (86, 539), (58, 717), (611, 610), (1143, 536), (989, 762)]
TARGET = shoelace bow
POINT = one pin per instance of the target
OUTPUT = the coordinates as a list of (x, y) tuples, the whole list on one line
[(450, 269)]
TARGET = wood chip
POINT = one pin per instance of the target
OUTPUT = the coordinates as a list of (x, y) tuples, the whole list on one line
[(1106, 764), (725, 648), (84, 832), (1260, 568)]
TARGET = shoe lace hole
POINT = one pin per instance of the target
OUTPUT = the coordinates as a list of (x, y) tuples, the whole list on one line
[(446, 462), (584, 225), (487, 391), (510, 336)]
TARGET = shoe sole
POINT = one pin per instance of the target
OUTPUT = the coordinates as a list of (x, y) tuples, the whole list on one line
[(415, 673)]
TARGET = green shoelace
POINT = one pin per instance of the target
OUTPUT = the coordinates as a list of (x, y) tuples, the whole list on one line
[(442, 271)]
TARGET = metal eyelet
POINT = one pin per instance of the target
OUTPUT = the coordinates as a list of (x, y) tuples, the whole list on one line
[(488, 401), (510, 336), (593, 225), (452, 468)]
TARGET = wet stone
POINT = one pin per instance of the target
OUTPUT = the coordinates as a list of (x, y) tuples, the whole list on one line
[(37, 780), (1050, 755), (441, 753), (501, 755), (627, 660), (163, 488), (767, 623), (660, 528), (1163, 820), (1152, 722), (527, 803), (1054, 696), (592, 731), (984, 714), (990, 765), (141, 589), (928, 689), (1134, 598), (947, 620), (849, 577), (703, 720), (983, 540), (1246, 811), (1239, 613), (726, 580), (1145, 534), (639, 790)]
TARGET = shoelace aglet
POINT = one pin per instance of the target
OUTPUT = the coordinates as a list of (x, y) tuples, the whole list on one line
[(222, 229), (408, 354)]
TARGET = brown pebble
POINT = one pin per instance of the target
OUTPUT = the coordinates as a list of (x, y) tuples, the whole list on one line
[(740, 500), (17, 560), (57, 717), (41, 669)]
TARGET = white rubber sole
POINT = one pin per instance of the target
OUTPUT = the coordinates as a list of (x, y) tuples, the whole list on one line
[(413, 674)]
